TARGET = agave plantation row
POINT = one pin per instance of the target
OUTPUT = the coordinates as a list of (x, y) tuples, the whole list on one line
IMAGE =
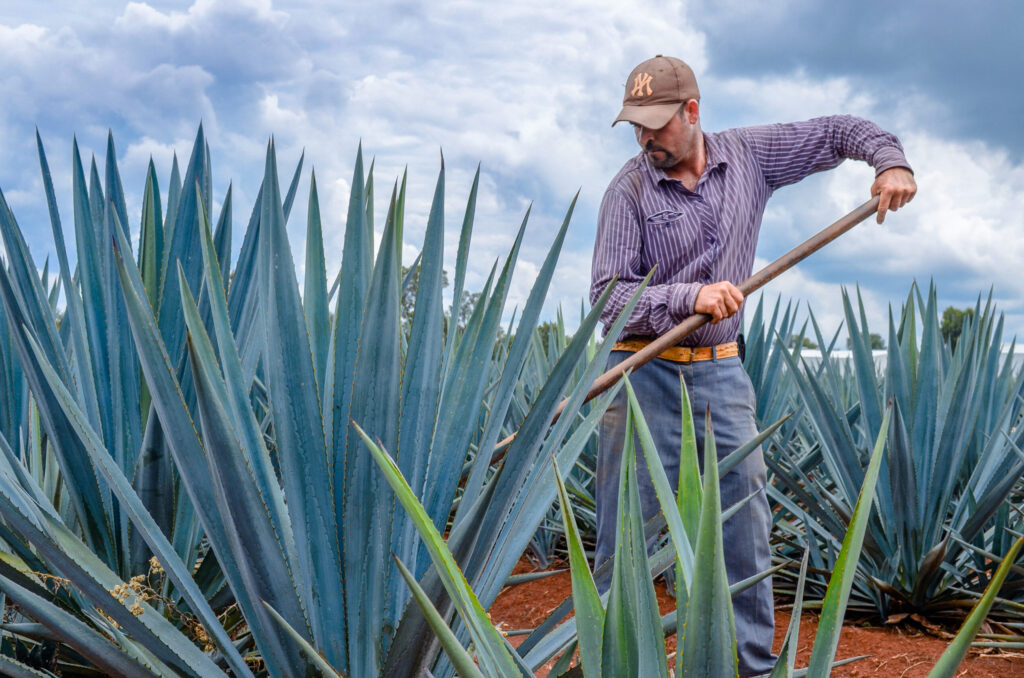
[(201, 470)]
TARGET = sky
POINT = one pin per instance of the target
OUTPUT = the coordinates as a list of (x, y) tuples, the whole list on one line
[(528, 91)]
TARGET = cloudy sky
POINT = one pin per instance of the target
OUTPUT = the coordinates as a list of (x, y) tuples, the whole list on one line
[(528, 90)]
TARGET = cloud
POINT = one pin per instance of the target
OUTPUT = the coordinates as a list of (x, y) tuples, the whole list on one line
[(956, 60), (527, 90), (963, 226)]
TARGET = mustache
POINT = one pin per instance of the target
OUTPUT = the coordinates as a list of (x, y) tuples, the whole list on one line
[(651, 146)]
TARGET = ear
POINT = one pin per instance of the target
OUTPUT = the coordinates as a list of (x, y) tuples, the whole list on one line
[(691, 111)]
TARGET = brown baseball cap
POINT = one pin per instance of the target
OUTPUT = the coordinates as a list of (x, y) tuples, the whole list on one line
[(655, 90)]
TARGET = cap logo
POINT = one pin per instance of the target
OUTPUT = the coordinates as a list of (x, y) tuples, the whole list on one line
[(642, 80)]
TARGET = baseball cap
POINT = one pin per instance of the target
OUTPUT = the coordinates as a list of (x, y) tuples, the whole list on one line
[(655, 90)]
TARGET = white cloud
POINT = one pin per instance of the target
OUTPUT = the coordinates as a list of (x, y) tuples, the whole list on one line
[(527, 89), (962, 228)]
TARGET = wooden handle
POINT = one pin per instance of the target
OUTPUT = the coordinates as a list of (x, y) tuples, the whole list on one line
[(692, 323)]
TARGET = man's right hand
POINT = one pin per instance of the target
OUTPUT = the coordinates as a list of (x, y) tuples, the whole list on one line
[(720, 300)]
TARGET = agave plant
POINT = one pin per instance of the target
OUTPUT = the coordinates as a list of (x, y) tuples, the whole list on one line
[(622, 632), (953, 462), (182, 484)]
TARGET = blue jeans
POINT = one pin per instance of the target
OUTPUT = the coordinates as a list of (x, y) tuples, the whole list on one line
[(722, 385)]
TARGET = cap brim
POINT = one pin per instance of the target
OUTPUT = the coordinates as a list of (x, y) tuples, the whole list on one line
[(654, 116)]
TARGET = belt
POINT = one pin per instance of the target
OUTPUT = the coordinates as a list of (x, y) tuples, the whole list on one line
[(682, 354)]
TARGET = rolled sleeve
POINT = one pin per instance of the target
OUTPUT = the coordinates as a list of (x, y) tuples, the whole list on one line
[(887, 157), (683, 299)]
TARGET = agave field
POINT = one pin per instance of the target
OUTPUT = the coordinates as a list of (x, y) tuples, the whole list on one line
[(205, 472)]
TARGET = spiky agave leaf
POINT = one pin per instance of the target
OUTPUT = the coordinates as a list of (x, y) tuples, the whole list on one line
[(954, 654)]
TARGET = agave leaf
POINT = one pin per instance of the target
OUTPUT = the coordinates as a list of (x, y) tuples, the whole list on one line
[(786, 664), (733, 459), (863, 363), (561, 667), (151, 236), (833, 429), (493, 654), (633, 644), (222, 234), (689, 493), (709, 638), (461, 265), (315, 657), (243, 289), (421, 379), (314, 289), (460, 659), (590, 616), (666, 497), (954, 654), (182, 245), (173, 196), (926, 394), (841, 582), (356, 264), (15, 669)]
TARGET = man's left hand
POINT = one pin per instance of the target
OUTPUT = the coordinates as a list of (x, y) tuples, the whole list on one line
[(895, 188)]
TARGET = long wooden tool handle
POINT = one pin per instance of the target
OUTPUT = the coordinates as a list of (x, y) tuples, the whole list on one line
[(690, 325)]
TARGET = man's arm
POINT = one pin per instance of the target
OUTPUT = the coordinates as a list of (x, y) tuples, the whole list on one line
[(786, 153), (617, 253)]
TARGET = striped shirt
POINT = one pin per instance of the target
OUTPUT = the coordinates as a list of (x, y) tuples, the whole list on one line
[(710, 234)]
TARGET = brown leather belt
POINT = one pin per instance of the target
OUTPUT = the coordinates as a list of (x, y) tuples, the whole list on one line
[(682, 354)]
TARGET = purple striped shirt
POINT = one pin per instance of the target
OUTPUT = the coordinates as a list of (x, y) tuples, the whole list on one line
[(710, 234)]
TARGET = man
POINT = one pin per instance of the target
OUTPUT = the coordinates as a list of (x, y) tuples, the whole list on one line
[(691, 203)]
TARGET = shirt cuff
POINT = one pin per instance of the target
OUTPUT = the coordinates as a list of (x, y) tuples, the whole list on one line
[(684, 296), (889, 157)]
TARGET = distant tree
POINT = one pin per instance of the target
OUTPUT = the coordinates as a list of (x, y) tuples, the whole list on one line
[(411, 288), (952, 324), (877, 343), (409, 292), (805, 342), (548, 331)]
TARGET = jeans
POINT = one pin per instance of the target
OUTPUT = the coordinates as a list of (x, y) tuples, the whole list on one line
[(722, 385)]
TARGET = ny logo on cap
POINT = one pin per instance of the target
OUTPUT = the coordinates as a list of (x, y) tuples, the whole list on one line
[(641, 81)]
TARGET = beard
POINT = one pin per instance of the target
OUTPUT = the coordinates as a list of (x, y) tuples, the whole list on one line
[(659, 156)]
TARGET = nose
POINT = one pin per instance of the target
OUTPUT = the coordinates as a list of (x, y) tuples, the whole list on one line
[(644, 134)]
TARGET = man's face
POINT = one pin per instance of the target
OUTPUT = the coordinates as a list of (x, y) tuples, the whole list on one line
[(670, 145)]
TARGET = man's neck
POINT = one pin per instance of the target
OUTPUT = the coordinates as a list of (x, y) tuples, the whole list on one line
[(690, 169)]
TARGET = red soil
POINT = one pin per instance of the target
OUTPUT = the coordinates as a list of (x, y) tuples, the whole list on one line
[(899, 651)]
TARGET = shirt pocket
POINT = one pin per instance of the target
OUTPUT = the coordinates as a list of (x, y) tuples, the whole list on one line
[(664, 218)]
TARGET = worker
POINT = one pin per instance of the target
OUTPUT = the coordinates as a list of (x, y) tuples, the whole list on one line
[(689, 205)]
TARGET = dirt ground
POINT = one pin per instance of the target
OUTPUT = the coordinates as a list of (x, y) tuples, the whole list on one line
[(899, 651)]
